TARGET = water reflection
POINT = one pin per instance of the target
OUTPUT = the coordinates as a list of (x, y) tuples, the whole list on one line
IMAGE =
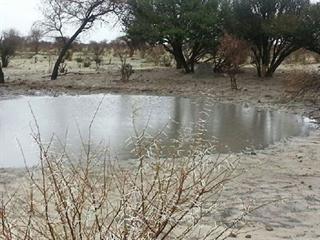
[(237, 127)]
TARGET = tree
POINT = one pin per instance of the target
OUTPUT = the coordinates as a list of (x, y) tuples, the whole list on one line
[(98, 50), (1, 75), (272, 27), (9, 42), (311, 31), (234, 53), (81, 15), (133, 44), (186, 29), (35, 36)]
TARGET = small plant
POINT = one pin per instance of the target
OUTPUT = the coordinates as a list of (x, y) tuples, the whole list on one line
[(63, 68), (87, 62), (79, 59), (98, 50)]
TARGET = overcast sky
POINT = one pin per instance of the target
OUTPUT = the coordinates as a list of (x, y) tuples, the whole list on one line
[(21, 14)]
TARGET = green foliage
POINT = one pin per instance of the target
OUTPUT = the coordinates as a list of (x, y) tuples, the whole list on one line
[(272, 27), (79, 59), (311, 29), (187, 29), (87, 62), (9, 42)]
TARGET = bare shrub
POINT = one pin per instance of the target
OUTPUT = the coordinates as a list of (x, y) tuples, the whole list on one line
[(163, 196), (234, 52), (98, 50), (63, 69), (154, 54), (35, 36)]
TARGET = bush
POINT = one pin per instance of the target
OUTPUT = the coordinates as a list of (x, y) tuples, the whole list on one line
[(79, 59), (87, 62), (163, 196), (234, 53), (126, 69)]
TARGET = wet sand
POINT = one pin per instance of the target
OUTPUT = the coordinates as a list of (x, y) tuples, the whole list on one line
[(288, 170)]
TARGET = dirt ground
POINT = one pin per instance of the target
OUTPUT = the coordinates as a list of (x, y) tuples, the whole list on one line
[(289, 170)]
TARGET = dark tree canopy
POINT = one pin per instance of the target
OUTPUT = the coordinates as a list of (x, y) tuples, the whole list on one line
[(187, 29), (311, 29), (272, 27), (9, 42)]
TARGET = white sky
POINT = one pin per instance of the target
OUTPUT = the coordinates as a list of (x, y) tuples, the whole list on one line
[(21, 14)]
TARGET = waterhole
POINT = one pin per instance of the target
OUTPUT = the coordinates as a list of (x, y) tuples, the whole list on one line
[(236, 127)]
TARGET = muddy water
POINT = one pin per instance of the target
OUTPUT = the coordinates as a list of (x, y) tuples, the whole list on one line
[(236, 127)]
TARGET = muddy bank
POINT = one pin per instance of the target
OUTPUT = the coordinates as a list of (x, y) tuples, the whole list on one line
[(270, 93), (289, 170), (287, 173)]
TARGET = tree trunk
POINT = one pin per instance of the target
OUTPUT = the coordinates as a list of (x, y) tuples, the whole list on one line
[(233, 81), (5, 61), (179, 57), (60, 59), (179, 64), (192, 66), (1, 75), (65, 49)]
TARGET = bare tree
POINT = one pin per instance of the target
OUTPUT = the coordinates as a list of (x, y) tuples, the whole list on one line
[(9, 42), (234, 53), (98, 50), (61, 15), (35, 36)]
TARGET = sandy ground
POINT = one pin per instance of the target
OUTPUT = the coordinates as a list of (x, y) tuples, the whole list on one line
[(288, 170)]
